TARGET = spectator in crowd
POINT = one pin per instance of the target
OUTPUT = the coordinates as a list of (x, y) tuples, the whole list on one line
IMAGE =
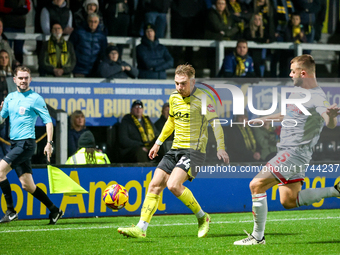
[(5, 69), (5, 72), (153, 58), (266, 140), (112, 67), (89, 6), (13, 14), (56, 12), (117, 17), (220, 25), (159, 126), (265, 9), (294, 33), (87, 153), (5, 46), (240, 141), (77, 123), (57, 56), (155, 13), (281, 19), (136, 135), (240, 17), (307, 9), (256, 32), (238, 63), (89, 44)]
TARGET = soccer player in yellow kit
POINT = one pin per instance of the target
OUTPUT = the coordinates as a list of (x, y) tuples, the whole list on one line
[(187, 151)]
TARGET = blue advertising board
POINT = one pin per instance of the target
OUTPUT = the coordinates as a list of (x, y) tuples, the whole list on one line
[(216, 194), (105, 103)]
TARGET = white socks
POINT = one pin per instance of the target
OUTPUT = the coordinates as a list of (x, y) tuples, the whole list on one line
[(310, 196), (260, 210), (200, 214), (143, 225)]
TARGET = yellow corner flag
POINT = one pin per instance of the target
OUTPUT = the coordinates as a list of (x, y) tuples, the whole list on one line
[(60, 182)]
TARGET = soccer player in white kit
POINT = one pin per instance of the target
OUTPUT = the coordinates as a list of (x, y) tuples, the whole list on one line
[(287, 168)]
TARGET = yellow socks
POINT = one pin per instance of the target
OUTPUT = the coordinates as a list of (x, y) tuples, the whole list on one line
[(189, 200), (149, 207)]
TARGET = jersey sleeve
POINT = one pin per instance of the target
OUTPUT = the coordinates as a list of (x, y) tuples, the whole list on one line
[(41, 109), (167, 130), (321, 104), (219, 135), (169, 125), (4, 111)]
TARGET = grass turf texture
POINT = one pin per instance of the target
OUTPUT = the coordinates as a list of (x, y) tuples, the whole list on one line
[(287, 232)]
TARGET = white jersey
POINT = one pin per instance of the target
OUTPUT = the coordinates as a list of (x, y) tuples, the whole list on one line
[(308, 128)]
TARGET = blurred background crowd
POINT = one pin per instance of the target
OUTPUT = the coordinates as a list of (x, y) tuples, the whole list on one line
[(77, 45)]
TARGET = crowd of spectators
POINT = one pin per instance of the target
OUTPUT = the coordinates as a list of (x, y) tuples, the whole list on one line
[(89, 22), (86, 53)]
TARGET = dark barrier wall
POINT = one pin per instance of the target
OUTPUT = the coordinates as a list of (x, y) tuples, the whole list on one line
[(216, 195)]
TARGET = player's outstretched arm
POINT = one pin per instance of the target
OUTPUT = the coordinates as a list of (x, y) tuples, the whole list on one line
[(222, 154), (153, 151), (330, 116)]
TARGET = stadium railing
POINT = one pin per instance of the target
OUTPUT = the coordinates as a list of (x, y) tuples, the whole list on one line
[(218, 45)]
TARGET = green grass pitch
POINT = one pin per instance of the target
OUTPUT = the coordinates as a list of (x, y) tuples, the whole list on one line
[(287, 232)]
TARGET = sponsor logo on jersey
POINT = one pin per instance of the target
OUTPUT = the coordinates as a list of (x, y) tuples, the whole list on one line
[(211, 108)]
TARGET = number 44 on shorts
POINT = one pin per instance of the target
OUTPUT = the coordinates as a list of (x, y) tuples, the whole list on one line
[(184, 161)]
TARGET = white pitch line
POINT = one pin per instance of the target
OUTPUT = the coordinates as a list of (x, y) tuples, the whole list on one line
[(162, 225)]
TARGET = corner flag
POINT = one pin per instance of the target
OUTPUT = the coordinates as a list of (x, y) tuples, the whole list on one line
[(60, 182)]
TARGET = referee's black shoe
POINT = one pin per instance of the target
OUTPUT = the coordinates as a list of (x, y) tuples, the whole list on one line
[(9, 216), (55, 216)]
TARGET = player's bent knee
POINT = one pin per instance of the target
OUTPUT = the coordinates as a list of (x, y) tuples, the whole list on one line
[(288, 203), (155, 188), (174, 188), (254, 186)]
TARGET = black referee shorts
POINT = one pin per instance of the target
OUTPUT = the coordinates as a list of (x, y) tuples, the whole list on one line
[(186, 159), (20, 156)]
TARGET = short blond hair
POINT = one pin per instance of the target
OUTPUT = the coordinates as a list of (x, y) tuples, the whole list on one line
[(305, 62), (185, 69), (21, 69)]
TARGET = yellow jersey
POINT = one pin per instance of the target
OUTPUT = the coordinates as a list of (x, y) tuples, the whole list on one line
[(190, 125)]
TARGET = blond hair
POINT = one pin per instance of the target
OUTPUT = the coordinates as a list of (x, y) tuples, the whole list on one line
[(185, 69), (75, 115), (305, 62), (21, 69), (253, 28)]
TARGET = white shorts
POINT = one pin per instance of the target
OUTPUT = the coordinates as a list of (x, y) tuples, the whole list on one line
[(289, 164)]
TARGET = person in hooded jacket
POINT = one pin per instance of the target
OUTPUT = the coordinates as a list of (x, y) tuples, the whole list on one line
[(89, 6), (153, 58), (112, 67)]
